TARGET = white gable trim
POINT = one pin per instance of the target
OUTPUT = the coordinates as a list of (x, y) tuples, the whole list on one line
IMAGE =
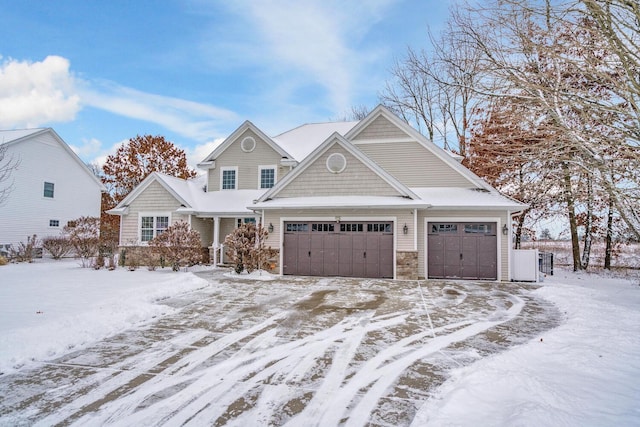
[(380, 110), (153, 177), (336, 138), (247, 125)]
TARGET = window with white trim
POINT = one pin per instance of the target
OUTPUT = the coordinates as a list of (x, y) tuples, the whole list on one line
[(48, 190), (249, 220), (267, 176), (152, 226), (54, 223), (229, 178)]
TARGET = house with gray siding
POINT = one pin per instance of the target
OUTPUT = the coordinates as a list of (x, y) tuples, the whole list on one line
[(49, 187), (372, 198)]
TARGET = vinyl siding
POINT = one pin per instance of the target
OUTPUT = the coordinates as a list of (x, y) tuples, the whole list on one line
[(381, 127), (154, 199), (247, 163), (505, 245), (204, 226), (356, 179), (26, 211), (414, 165)]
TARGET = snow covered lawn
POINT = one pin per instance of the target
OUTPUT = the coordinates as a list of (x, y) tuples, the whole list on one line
[(50, 307), (160, 348)]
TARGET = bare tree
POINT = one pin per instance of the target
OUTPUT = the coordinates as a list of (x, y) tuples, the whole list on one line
[(435, 90), (8, 163)]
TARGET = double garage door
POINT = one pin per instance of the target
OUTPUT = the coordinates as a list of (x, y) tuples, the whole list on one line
[(347, 249), (462, 250)]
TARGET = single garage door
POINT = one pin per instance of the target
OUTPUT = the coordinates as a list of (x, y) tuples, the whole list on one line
[(462, 250), (348, 249)]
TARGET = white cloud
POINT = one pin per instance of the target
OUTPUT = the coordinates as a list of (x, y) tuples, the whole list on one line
[(198, 153), (34, 93), (187, 118), (309, 43)]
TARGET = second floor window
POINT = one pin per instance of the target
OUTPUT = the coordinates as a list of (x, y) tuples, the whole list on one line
[(267, 177), (48, 190), (228, 179)]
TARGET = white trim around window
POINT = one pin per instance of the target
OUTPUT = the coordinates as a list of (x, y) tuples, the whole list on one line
[(275, 175), (150, 224), (235, 177)]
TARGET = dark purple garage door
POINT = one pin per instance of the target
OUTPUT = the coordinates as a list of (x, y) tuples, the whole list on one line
[(348, 249), (462, 250)]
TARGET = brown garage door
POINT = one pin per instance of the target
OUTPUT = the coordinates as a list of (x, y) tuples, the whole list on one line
[(349, 249), (462, 250)]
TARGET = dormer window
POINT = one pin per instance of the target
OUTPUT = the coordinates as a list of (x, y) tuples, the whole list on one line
[(229, 178)]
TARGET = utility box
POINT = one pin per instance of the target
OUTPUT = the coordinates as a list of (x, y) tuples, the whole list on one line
[(524, 265)]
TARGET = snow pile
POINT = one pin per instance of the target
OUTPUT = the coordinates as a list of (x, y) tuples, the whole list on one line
[(584, 373), (49, 307)]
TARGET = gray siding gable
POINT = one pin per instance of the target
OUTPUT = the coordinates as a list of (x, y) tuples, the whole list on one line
[(248, 163)]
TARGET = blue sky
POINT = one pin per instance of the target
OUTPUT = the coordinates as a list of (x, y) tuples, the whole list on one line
[(101, 72)]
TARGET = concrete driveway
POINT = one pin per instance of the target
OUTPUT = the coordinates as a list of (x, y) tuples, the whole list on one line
[(296, 351)]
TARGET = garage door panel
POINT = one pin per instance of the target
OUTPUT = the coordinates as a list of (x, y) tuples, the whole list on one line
[(386, 256), (304, 255), (290, 258), (452, 256), (331, 254), (316, 255), (345, 254), (358, 254)]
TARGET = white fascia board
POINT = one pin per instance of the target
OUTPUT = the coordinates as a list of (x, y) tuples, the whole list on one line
[(211, 164), (288, 162)]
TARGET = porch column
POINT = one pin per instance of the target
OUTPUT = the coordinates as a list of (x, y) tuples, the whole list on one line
[(216, 239)]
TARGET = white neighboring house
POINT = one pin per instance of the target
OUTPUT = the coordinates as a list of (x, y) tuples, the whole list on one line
[(50, 186)]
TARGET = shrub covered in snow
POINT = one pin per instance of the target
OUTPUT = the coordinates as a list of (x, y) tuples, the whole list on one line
[(24, 252), (84, 235), (246, 247), (178, 246), (57, 246)]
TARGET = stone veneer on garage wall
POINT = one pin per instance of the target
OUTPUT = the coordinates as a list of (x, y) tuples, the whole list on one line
[(407, 265)]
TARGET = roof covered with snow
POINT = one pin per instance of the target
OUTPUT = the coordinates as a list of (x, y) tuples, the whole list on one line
[(368, 202), (467, 198), (301, 141)]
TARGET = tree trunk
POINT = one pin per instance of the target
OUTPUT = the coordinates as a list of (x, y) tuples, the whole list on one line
[(519, 227), (588, 235), (607, 251), (573, 224)]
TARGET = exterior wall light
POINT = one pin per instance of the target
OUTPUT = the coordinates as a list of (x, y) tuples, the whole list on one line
[(505, 229), (405, 229), (270, 228)]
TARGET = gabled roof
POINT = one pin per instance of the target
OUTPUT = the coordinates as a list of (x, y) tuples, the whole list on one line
[(301, 141), (443, 155), (191, 195), (336, 138), (247, 125), (177, 187), (14, 137)]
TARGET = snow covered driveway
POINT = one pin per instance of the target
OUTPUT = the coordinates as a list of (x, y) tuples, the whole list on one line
[(294, 351)]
